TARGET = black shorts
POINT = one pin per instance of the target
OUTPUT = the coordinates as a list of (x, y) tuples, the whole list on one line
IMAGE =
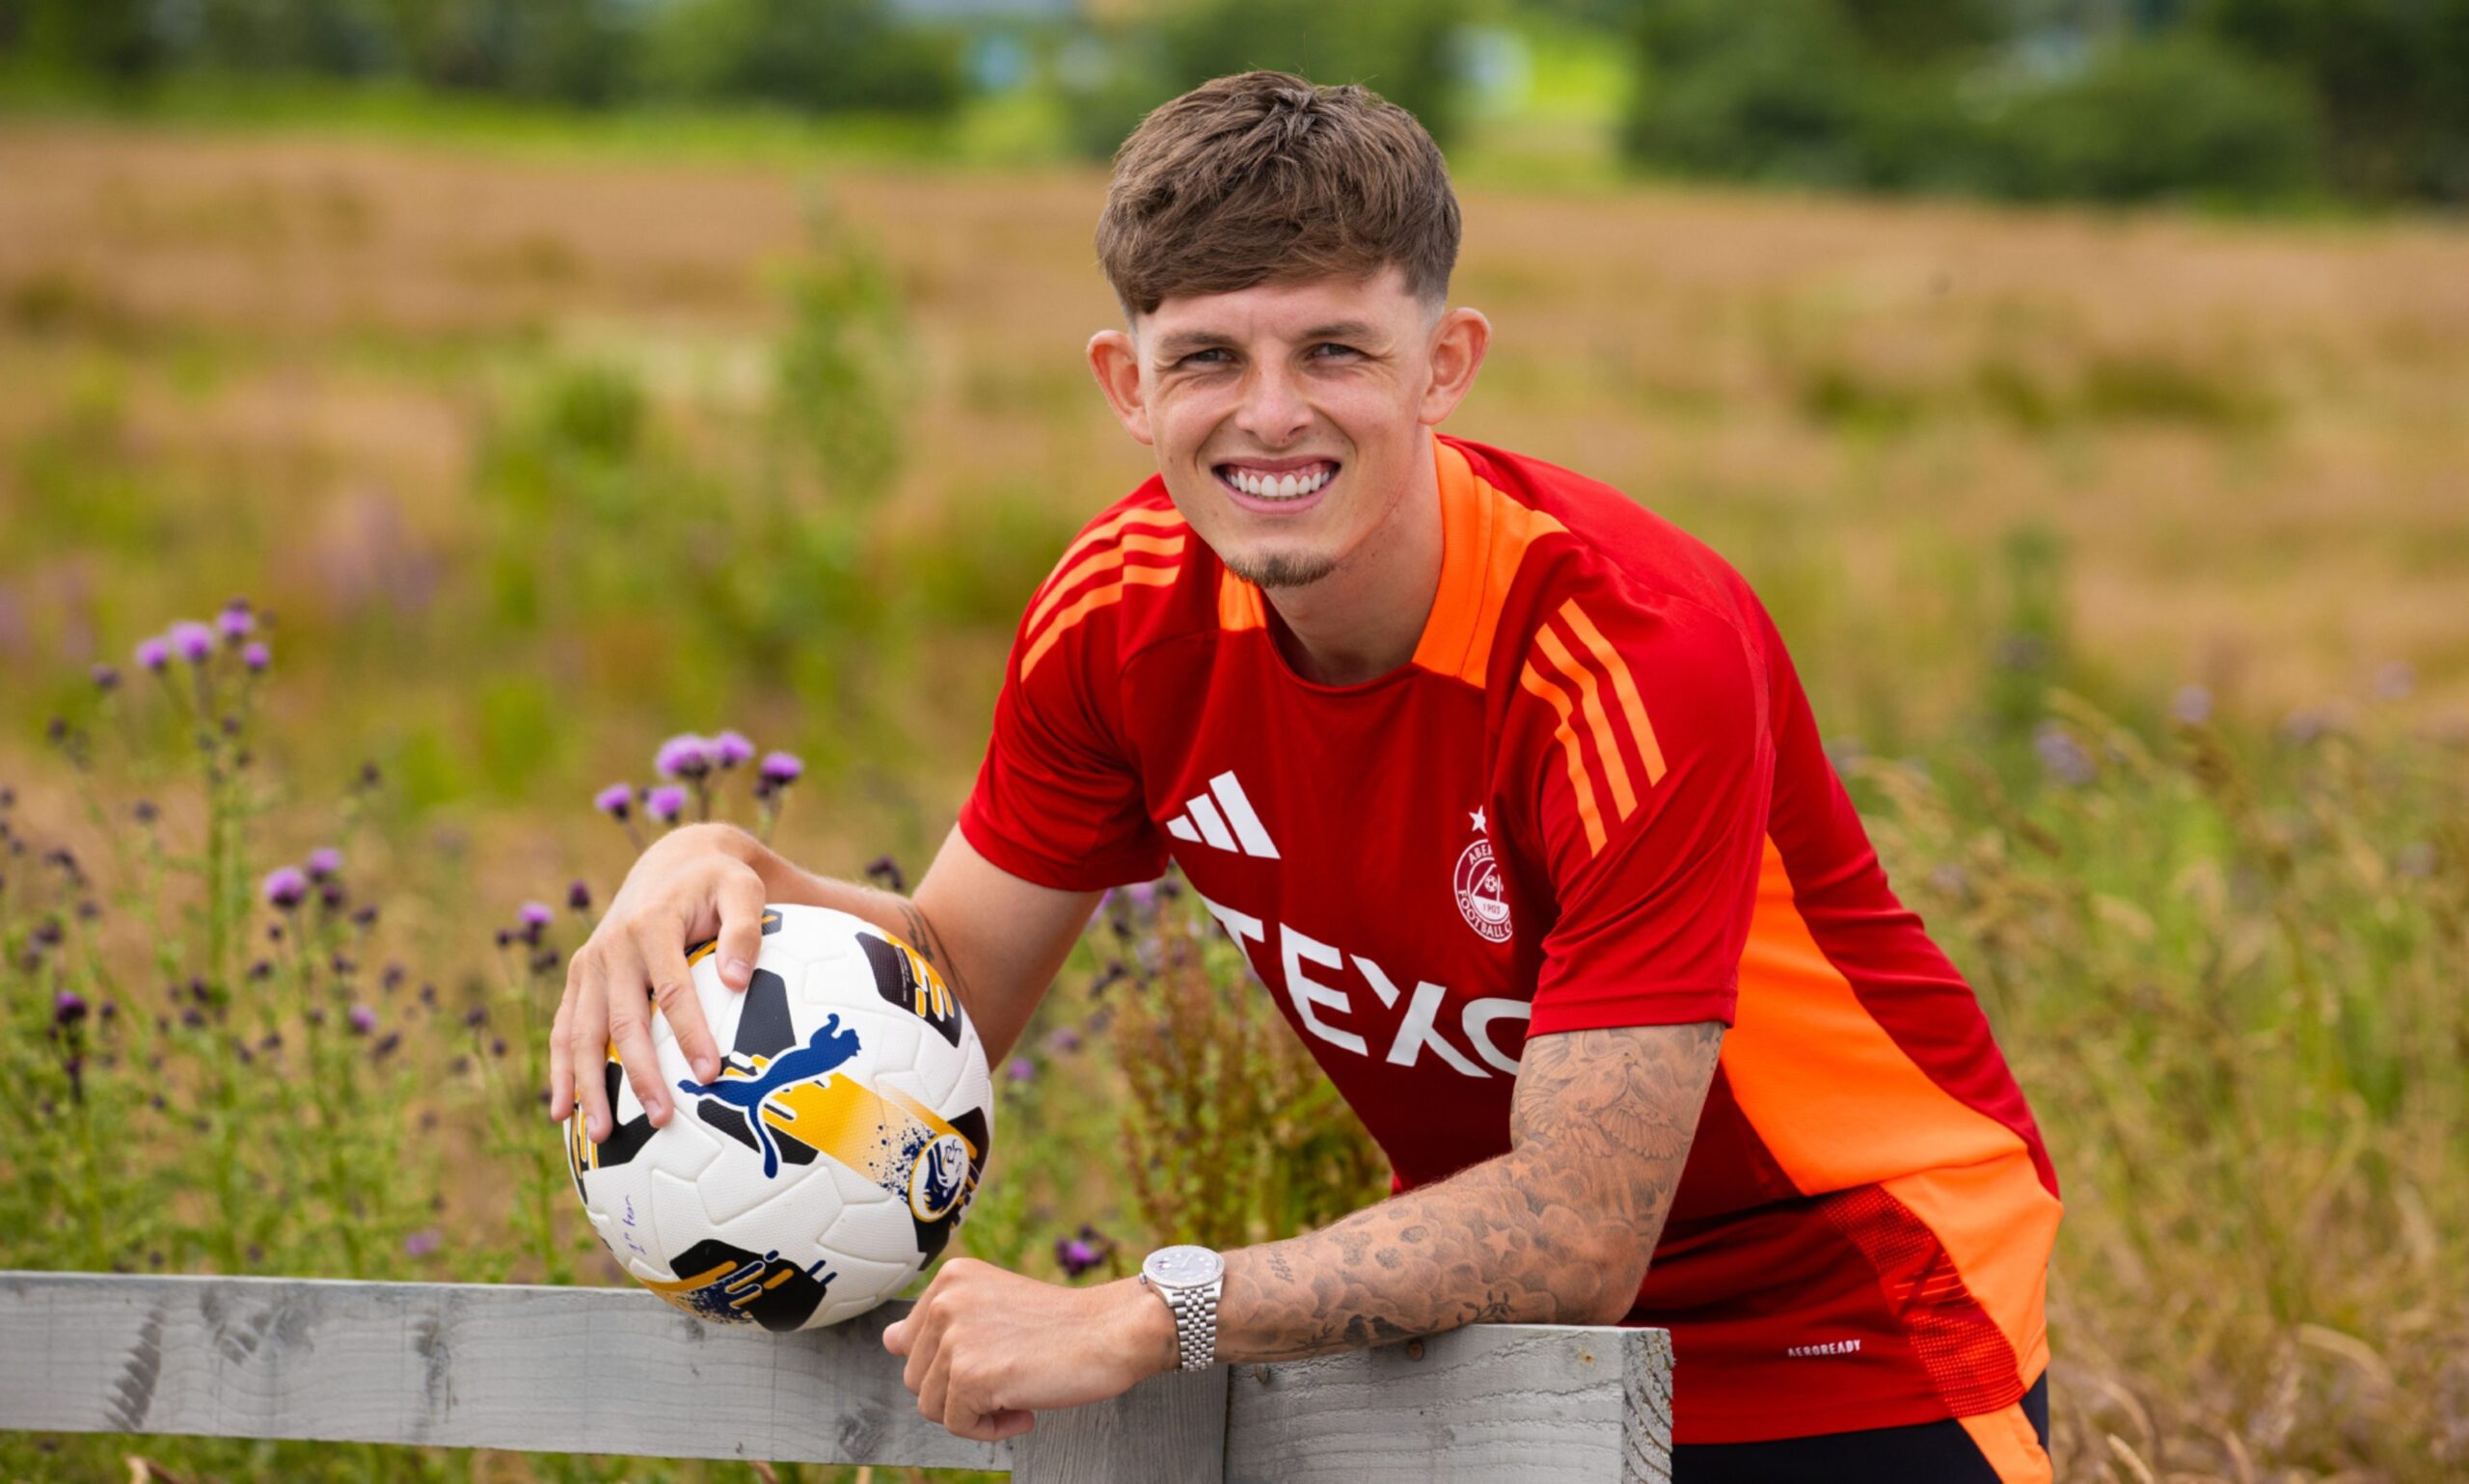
[(1926, 1453)]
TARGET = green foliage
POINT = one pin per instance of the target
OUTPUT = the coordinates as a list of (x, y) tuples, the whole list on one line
[(2172, 116), (1816, 92), (2391, 78), (843, 366), (811, 54), (1401, 51)]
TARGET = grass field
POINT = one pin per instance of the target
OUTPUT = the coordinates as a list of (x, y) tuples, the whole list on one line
[(536, 458)]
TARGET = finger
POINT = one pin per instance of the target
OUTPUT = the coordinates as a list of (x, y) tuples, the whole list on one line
[(934, 1390), (672, 984), (588, 1051), (896, 1335), (741, 902), (1009, 1423), (561, 1061), (630, 1027), (922, 1341)]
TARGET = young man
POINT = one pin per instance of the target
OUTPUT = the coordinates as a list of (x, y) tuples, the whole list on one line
[(1509, 791)]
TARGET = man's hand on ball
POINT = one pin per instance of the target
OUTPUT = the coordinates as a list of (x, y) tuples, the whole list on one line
[(693, 883), (989, 1349)]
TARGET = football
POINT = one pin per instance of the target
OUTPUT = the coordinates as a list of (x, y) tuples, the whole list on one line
[(830, 1160)]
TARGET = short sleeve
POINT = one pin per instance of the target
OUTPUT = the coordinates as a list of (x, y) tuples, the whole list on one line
[(1654, 769), (1058, 801)]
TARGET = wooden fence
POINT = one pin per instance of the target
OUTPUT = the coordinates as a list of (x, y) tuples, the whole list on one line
[(612, 1371)]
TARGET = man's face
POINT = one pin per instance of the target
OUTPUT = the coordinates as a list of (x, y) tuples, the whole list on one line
[(1290, 418)]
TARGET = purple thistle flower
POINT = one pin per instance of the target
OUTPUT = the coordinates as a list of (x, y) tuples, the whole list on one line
[(535, 914), (191, 641), (285, 886), (617, 800), (1142, 895), (2193, 705), (683, 756), (236, 623), (578, 895), (256, 657), (324, 862), (730, 748), (105, 677), (155, 653), (68, 1007), (420, 1243), (665, 802), (363, 1020), (781, 767), (1020, 1068), (2061, 756), (1077, 1254), (1062, 1038)]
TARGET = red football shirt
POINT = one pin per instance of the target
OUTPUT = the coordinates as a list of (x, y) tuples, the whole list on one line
[(1596, 797)]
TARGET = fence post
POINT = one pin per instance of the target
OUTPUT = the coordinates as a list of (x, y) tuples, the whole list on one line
[(1170, 1429)]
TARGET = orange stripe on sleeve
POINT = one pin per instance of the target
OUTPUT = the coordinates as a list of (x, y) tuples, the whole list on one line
[(1590, 701), (1639, 728), (1568, 738), (1098, 562), (1090, 601), (1166, 522)]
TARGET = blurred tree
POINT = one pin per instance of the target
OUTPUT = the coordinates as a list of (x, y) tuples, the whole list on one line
[(2392, 77), (111, 40), (811, 54), (2175, 115), (1401, 51)]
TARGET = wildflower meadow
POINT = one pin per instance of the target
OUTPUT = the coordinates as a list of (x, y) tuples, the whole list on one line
[(576, 499)]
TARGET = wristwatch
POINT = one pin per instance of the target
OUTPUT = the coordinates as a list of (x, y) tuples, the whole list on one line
[(1188, 1279)]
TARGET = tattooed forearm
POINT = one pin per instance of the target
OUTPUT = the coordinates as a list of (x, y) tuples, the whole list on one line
[(1558, 1230), (923, 937)]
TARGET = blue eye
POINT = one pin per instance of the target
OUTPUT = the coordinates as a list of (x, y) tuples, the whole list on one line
[(1343, 350), (1196, 355)]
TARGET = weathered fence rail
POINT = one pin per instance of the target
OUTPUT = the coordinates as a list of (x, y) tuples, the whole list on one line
[(609, 1370)]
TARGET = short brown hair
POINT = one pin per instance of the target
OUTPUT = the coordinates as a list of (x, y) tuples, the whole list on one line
[(1262, 177)]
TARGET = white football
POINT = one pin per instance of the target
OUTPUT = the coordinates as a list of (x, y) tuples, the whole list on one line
[(832, 1158)]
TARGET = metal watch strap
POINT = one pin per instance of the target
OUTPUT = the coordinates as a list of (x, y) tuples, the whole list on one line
[(1195, 1312)]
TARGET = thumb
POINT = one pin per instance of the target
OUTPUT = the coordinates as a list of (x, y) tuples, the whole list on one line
[(896, 1335), (741, 905)]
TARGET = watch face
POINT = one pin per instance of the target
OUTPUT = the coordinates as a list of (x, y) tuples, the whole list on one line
[(1183, 1267)]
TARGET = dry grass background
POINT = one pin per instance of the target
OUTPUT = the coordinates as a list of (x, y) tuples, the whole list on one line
[(292, 367)]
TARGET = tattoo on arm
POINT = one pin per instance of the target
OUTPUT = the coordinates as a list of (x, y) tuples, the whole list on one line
[(922, 937), (1556, 1231)]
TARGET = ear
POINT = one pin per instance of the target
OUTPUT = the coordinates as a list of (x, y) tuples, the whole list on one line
[(1114, 359), (1458, 341)]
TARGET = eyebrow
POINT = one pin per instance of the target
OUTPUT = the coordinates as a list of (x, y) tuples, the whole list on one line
[(1183, 342)]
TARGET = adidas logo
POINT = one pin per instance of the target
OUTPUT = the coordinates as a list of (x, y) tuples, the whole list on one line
[(1202, 821)]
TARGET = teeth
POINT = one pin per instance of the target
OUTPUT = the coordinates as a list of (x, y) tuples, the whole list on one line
[(1263, 486)]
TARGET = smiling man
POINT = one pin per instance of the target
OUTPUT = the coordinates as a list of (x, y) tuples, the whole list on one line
[(1507, 789)]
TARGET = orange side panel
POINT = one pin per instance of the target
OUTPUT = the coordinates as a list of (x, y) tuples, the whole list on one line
[(2006, 1439), (1839, 1105), (1829, 1093), (1998, 1223)]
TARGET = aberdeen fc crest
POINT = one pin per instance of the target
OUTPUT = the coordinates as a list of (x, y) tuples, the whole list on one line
[(1480, 897)]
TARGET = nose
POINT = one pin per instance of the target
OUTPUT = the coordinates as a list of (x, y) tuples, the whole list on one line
[(1274, 413)]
